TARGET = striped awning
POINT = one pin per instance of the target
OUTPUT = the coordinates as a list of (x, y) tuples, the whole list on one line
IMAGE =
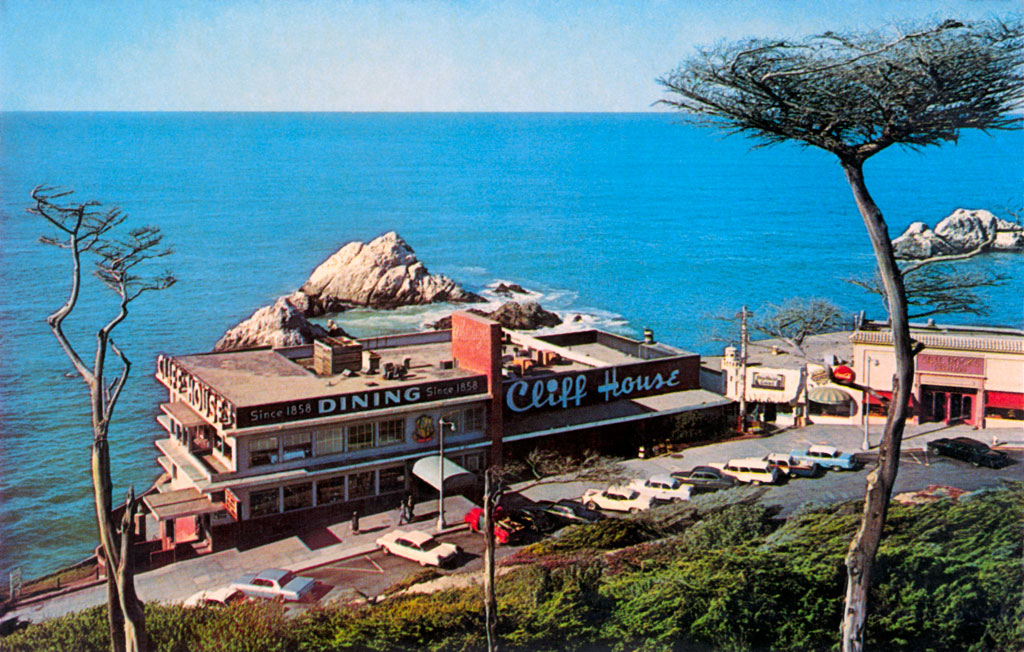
[(828, 395)]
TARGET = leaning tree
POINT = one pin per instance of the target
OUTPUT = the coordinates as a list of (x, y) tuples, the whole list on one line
[(855, 95), (84, 229)]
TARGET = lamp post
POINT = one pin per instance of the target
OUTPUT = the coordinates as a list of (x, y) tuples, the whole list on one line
[(868, 361), (442, 423)]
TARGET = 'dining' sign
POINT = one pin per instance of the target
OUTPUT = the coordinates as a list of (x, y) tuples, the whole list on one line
[(594, 386)]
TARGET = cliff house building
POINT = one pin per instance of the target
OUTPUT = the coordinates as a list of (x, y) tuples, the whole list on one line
[(261, 440)]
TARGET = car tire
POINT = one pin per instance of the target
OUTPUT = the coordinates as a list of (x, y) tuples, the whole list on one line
[(592, 505), (634, 510), (837, 468), (677, 500), (756, 482)]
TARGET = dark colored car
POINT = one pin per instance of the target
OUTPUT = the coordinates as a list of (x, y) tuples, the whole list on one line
[(969, 450), (568, 512), (705, 478)]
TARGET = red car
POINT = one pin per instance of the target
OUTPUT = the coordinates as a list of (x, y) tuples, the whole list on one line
[(506, 528)]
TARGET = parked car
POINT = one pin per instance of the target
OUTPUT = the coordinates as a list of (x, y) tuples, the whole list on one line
[(969, 450), (793, 467), (828, 457), (567, 512), (705, 478), (752, 470), (214, 597), (618, 499), (537, 519), (507, 528), (419, 547), (274, 583), (662, 487)]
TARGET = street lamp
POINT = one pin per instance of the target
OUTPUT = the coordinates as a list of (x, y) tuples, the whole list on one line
[(442, 423), (868, 361)]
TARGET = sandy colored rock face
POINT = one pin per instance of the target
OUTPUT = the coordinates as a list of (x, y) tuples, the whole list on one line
[(277, 325), (383, 273)]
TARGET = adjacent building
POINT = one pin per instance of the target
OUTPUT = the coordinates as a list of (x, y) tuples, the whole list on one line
[(258, 440)]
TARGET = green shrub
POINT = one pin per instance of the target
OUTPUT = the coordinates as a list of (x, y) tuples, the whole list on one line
[(734, 525), (609, 534), (83, 631), (254, 626)]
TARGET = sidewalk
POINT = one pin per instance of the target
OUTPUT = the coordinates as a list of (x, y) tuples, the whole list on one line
[(178, 581)]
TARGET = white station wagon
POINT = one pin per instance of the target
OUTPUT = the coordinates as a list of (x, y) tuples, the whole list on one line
[(753, 470), (662, 487), (419, 547), (618, 499)]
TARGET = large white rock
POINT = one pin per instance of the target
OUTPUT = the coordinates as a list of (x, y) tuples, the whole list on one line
[(277, 325), (961, 231), (383, 273)]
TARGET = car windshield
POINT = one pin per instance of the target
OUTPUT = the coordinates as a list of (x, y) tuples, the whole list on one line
[(287, 577), (429, 544)]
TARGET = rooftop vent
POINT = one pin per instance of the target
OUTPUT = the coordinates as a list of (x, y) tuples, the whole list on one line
[(447, 364), (332, 355), (371, 362), (648, 336)]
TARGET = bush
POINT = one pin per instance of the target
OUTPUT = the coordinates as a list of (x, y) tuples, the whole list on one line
[(698, 426), (734, 525), (608, 534)]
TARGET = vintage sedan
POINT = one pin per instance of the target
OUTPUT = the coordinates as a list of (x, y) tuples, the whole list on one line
[(828, 457), (274, 583), (663, 488), (617, 499), (705, 478), (214, 597), (419, 547), (792, 467), (969, 450), (567, 512)]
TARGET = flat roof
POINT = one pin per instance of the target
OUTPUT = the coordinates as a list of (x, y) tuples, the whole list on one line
[(261, 376), (762, 352)]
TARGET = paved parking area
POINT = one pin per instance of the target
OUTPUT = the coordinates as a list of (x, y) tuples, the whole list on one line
[(177, 582)]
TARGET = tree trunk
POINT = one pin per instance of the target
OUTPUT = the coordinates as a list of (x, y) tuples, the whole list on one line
[(490, 600), (135, 639), (111, 551), (860, 557)]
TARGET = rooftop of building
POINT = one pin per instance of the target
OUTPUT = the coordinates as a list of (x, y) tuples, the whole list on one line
[(951, 330), (777, 354), (260, 376)]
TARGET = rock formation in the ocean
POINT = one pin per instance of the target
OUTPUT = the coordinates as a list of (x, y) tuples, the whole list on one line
[(960, 232), (525, 316), (383, 273), (504, 290), (277, 325)]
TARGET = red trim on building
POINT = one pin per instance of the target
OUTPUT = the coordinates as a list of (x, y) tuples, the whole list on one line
[(476, 346), (1009, 400)]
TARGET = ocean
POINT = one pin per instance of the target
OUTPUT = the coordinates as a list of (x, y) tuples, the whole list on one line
[(630, 220)]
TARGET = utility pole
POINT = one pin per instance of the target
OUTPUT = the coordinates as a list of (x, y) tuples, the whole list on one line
[(743, 369), (441, 425)]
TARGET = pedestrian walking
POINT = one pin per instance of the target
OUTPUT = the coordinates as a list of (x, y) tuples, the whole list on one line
[(355, 522), (410, 506)]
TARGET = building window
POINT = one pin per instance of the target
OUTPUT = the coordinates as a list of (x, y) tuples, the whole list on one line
[(360, 436), (1004, 413), (262, 503), (297, 446), (330, 441), (263, 451), (360, 485), (845, 409), (392, 432), (473, 462), (473, 419), (331, 490), (298, 496), (228, 451), (392, 479)]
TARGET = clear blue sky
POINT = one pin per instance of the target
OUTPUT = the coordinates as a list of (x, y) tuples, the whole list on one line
[(291, 55)]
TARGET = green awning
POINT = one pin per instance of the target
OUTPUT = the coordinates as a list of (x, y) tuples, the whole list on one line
[(829, 395)]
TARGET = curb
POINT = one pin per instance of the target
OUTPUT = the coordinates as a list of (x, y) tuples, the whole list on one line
[(365, 548)]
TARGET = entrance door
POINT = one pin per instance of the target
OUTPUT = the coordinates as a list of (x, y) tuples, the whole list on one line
[(938, 405), (956, 406)]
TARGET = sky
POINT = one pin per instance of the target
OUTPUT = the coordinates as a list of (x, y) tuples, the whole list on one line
[(427, 55)]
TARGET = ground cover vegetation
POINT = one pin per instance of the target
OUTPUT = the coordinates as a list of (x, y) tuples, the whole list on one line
[(720, 573)]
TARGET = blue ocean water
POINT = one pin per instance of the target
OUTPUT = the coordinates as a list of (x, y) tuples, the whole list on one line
[(632, 220)]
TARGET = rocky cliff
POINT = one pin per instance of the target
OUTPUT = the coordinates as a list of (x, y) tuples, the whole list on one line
[(382, 273), (960, 232), (526, 316), (277, 325)]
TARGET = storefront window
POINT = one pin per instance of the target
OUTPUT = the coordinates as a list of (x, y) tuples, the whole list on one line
[(330, 441), (1004, 413), (262, 503), (473, 462), (392, 480), (263, 451), (360, 437), (360, 485), (392, 432), (331, 490), (473, 419), (297, 446), (298, 496), (825, 410)]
